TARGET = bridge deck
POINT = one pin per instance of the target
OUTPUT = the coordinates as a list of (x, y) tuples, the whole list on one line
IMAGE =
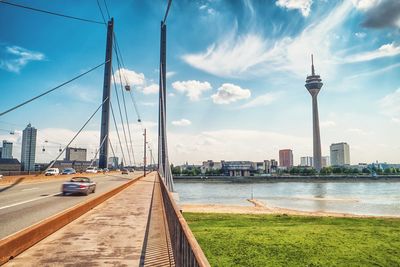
[(127, 230)]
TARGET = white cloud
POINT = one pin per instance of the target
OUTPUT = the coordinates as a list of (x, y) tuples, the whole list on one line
[(262, 100), (20, 57), (170, 74), (250, 54), (389, 105), (130, 76), (360, 35), (364, 5), (232, 56), (229, 93), (192, 89), (386, 50), (327, 124), (182, 122), (151, 89), (374, 72), (303, 5)]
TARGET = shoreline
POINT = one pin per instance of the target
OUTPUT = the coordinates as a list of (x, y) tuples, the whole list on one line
[(278, 179), (260, 207)]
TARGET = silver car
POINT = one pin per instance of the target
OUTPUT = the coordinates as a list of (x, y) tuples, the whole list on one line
[(80, 185)]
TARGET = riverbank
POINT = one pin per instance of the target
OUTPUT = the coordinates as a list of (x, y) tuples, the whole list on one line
[(274, 179), (259, 207), (286, 240)]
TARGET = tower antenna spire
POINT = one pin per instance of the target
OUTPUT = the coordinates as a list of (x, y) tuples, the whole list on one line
[(312, 65)]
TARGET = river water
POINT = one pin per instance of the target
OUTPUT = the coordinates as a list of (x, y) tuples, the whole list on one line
[(361, 198)]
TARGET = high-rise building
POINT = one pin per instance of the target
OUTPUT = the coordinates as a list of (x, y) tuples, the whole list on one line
[(286, 158), (113, 162), (314, 85), (78, 154), (28, 148), (326, 161), (340, 154), (306, 161), (6, 150)]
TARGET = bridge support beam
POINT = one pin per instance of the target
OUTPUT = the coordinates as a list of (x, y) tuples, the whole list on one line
[(105, 111)]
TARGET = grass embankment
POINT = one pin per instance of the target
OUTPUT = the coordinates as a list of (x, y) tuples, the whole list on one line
[(279, 240)]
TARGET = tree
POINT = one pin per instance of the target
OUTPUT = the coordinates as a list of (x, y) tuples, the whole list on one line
[(326, 171), (366, 171), (388, 171)]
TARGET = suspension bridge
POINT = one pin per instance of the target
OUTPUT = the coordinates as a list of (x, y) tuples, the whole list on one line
[(134, 221)]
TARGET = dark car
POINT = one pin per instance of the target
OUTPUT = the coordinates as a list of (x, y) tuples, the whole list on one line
[(125, 171), (67, 171), (80, 185)]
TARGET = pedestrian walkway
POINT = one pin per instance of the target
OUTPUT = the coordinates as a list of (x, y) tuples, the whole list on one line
[(127, 230)]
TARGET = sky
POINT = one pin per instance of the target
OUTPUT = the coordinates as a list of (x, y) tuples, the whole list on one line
[(235, 76)]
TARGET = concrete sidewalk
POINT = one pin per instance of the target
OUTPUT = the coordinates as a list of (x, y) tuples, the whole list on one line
[(112, 234)]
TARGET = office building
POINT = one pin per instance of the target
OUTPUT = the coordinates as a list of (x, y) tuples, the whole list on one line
[(210, 165), (9, 165), (340, 154), (314, 85), (286, 158), (306, 161), (72, 153), (6, 150), (28, 148), (326, 161), (113, 162)]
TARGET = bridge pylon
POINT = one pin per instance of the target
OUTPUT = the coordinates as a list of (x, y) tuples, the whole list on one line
[(105, 111)]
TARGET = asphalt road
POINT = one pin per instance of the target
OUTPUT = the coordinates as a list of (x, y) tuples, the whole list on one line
[(25, 204)]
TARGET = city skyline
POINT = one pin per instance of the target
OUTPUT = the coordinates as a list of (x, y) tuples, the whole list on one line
[(220, 102)]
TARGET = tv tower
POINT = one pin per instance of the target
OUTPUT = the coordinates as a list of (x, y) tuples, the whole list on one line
[(313, 85)]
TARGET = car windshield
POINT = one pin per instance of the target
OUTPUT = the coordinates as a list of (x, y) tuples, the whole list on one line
[(80, 179)]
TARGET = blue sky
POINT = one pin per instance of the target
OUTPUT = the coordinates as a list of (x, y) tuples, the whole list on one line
[(236, 72)]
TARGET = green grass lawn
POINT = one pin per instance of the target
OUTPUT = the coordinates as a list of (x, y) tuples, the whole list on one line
[(278, 240)]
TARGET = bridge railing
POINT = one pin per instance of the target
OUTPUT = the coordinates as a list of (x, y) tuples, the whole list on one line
[(187, 252)]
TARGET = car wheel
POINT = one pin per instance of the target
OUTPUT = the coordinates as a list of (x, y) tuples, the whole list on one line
[(87, 192), (94, 189), (64, 193)]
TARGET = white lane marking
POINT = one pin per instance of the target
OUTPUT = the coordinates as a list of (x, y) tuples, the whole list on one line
[(27, 201), (28, 189)]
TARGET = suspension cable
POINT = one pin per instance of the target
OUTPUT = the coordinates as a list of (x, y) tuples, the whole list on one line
[(51, 90), (76, 135), (122, 120), (101, 11), (97, 151), (124, 102), (116, 128), (51, 13)]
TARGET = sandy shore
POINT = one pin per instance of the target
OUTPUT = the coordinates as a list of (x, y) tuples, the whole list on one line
[(260, 207)]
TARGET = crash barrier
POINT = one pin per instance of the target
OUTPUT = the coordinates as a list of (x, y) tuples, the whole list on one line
[(187, 252), (16, 243)]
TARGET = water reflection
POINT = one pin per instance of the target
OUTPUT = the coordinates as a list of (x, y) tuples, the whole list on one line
[(319, 191)]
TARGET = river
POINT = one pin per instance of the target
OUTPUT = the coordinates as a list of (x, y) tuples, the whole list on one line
[(361, 198)]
